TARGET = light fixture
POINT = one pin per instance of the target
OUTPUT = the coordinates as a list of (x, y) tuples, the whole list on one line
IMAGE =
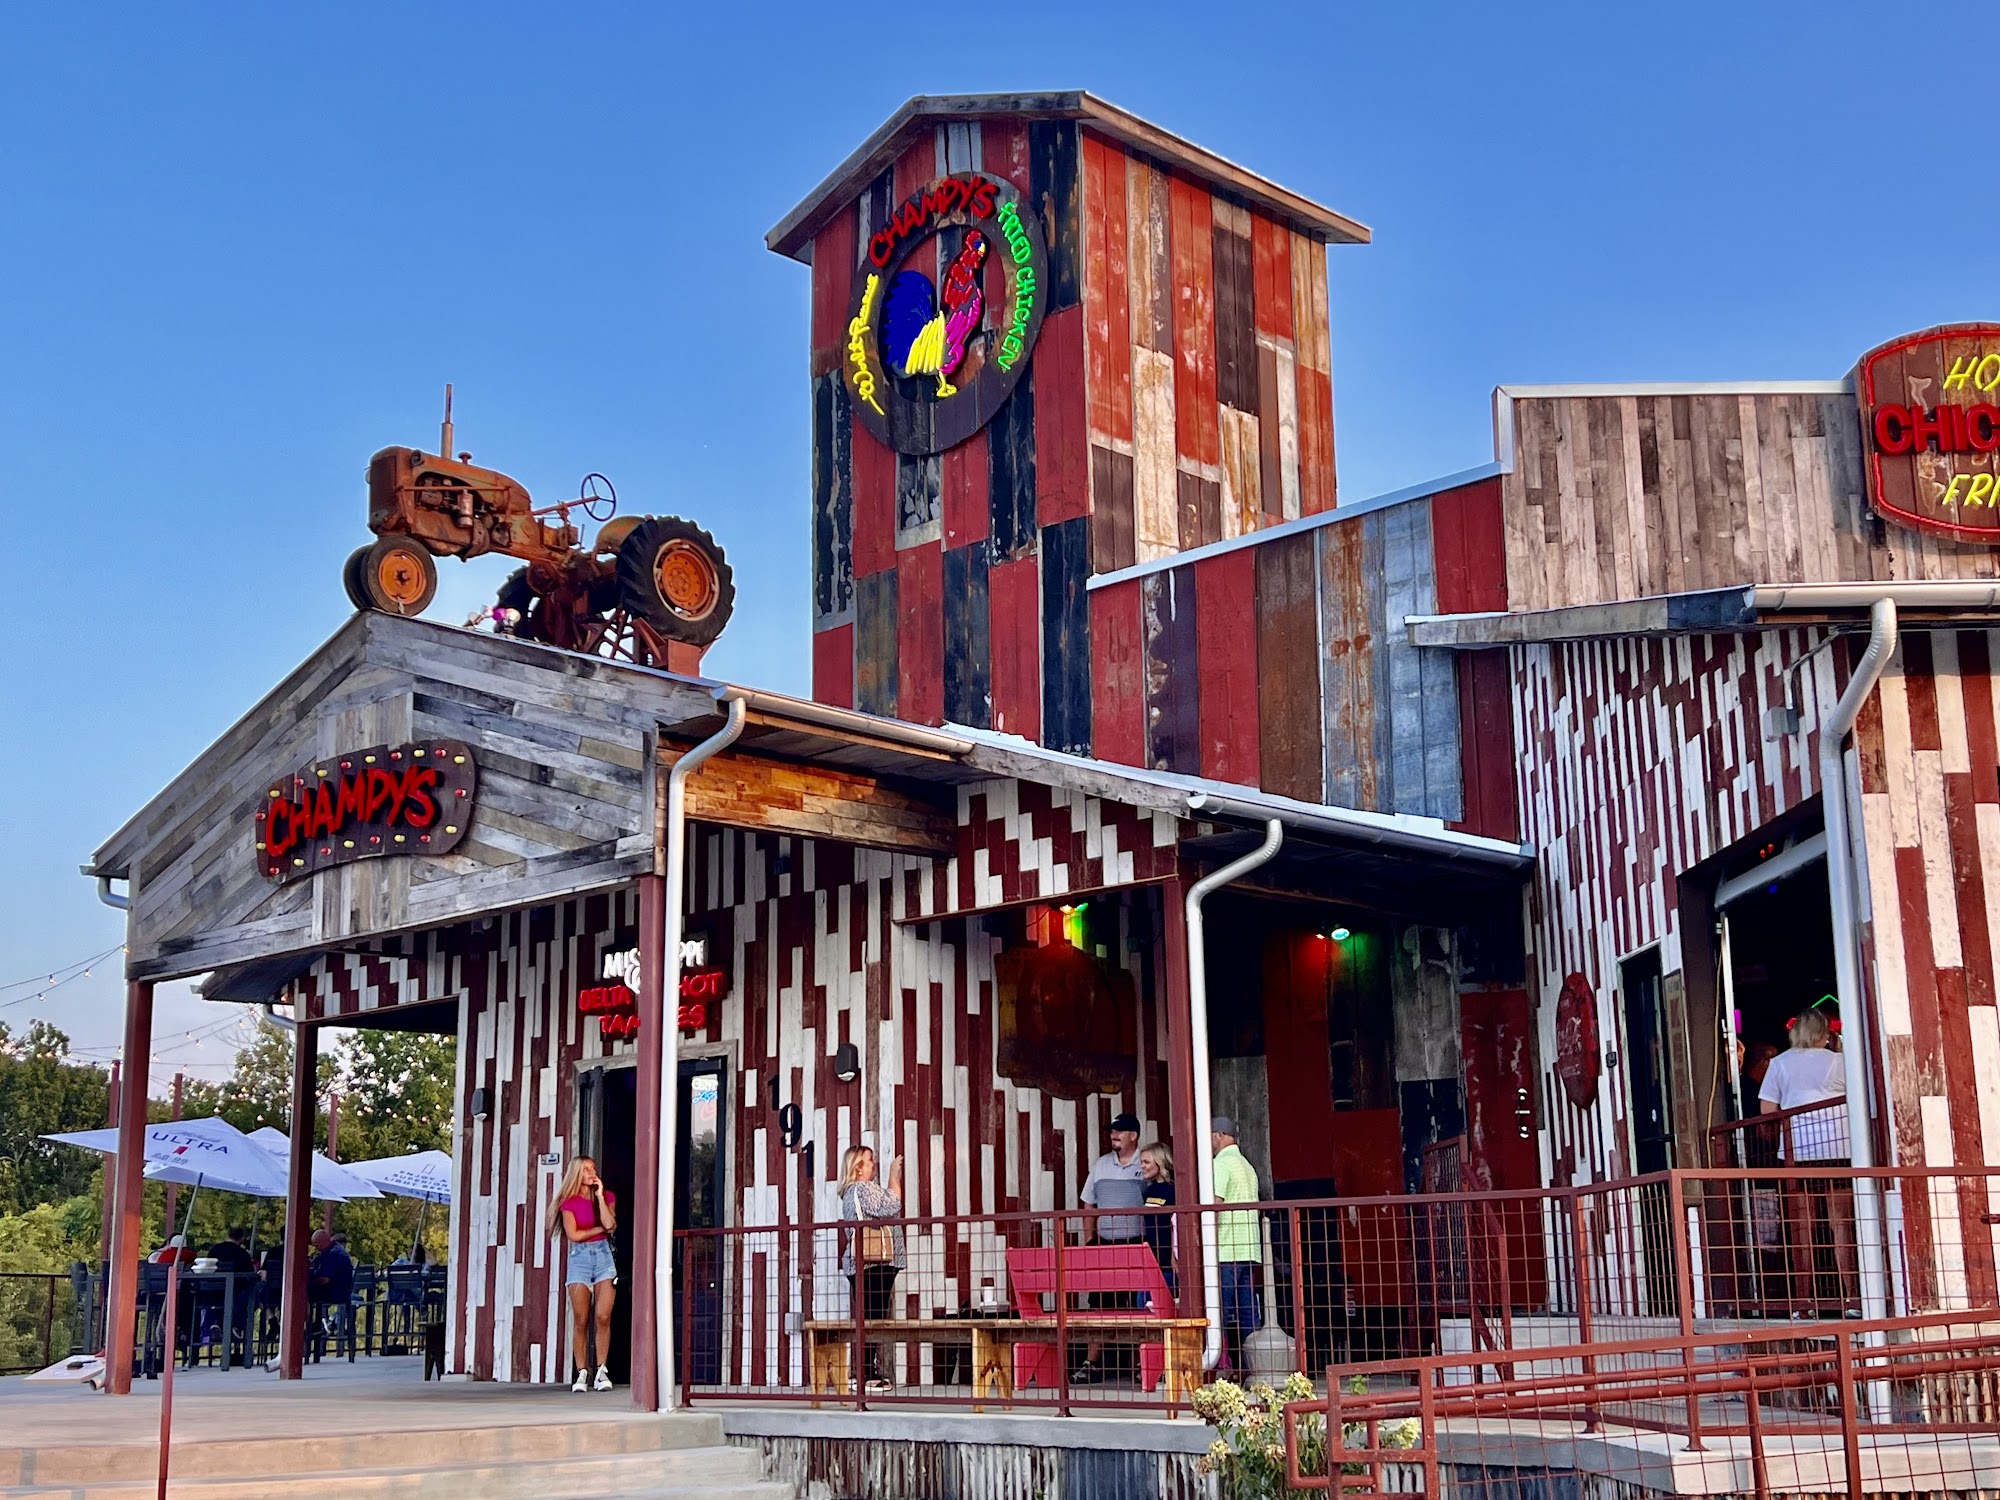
[(1340, 934), (846, 1062)]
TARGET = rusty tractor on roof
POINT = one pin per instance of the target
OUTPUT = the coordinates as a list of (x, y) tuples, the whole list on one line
[(651, 589)]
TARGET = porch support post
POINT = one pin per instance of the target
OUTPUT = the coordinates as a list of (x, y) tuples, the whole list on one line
[(122, 1305), (645, 1216), (1181, 1138), (298, 1203)]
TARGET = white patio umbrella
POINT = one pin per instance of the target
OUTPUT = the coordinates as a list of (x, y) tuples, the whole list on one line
[(421, 1174), (331, 1181), (207, 1152)]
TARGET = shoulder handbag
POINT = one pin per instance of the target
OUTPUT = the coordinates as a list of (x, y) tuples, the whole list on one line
[(877, 1246)]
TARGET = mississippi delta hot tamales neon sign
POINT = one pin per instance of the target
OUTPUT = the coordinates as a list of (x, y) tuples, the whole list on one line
[(1930, 428), (948, 298), (387, 799)]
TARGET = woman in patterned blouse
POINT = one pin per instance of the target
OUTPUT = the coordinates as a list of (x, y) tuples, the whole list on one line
[(873, 1256)]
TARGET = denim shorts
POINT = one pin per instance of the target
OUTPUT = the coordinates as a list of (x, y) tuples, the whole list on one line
[(589, 1263)]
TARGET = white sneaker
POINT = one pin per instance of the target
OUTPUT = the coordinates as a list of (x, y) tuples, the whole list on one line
[(582, 1381), (603, 1381)]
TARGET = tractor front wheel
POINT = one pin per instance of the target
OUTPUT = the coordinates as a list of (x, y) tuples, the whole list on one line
[(398, 576), (672, 575)]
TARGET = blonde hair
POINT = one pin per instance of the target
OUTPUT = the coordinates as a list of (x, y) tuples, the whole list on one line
[(1810, 1029), (572, 1186), (1161, 1157), (850, 1163)]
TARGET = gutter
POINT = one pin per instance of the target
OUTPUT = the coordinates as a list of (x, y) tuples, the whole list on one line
[(846, 720), (669, 1041), (1379, 829), (1858, 1031), (1197, 957), (1941, 594)]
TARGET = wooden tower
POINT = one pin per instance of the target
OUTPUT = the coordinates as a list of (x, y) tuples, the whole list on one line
[(1114, 348)]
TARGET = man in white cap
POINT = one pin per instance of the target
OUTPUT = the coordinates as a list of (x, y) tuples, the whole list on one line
[(1239, 1241), (1115, 1181)]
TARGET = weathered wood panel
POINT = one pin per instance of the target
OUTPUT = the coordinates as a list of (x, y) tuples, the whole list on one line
[(1225, 590), (1015, 614), (1066, 636), (777, 796), (832, 501), (920, 635), (1010, 448), (1173, 693), (1112, 540), (1055, 181), (968, 646), (873, 467), (1235, 308), (1061, 430), (966, 477), (833, 665), (1155, 496), (1118, 674), (1107, 305), (1617, 497), (1288, 689), (1196, 418), (876, 674)]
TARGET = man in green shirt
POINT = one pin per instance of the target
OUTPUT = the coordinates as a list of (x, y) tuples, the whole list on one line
[(1239, 1239)]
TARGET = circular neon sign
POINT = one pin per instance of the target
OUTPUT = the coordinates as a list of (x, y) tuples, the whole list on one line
[(947, 302)]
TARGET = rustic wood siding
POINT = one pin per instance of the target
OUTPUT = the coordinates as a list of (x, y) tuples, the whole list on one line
[(1621, 497)]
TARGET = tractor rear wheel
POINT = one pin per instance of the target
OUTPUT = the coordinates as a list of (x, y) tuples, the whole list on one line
[(398, 576), (350, 577), (672, 575)]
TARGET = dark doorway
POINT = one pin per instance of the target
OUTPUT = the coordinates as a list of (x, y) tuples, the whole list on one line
[(1646, 1063), (608, 1117), (1781, 964), (698, 1170)]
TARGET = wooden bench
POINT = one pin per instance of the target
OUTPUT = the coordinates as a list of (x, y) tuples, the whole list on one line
[(1021, 1349)]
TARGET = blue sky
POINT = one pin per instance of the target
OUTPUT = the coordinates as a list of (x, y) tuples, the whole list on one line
[(242, 247)]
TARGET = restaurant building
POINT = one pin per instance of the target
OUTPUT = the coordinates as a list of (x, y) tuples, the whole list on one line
[(1539, 746)]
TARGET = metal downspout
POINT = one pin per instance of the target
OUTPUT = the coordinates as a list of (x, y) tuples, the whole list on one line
[(672, 924), (1211, 1265), (1858, 1033)]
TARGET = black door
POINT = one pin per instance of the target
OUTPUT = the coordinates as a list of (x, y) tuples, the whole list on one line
[(698, 1173), (1647, 1063)]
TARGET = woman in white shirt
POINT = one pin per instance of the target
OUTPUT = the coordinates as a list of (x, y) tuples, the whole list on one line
[(1812, 1072)]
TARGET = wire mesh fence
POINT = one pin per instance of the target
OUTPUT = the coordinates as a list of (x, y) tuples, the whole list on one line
[(36, 1312), (1740, 1327)]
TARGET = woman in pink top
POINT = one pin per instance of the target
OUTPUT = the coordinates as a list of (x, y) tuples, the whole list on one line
[(589, 1213)]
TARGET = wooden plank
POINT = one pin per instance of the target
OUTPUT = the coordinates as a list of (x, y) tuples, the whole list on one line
[(874, 502), (1155, 499), (1347, 634), (917, 165), (1467, 534), (1107, 303), (968, 648), (1288, 697), (1066, 636), (1225, 598), (1242, 497), (1004, 144), (1235, 309), (920, 635), (750, 791), (1315, 418), (1271, 255), (833, 263), (1173, 713), (832, 500), (1010, 453), (1062, 442), (1196, 418), (965, 474), (1055, 188), (919, 499), (1014, 612), (1148, 217), (1270, 465), (875, 665), (1112, 538), (1486, 730), (1118, 674)]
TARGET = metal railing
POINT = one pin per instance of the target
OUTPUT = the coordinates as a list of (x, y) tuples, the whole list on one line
[(36, 1313)]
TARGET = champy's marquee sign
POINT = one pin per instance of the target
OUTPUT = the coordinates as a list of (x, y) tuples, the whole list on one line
[(948, 298), (1930, 426), (387, 799)]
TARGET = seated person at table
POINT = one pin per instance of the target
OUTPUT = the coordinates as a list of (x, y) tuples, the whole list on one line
[(332, 1276), (230, 1254), (173, 1250)]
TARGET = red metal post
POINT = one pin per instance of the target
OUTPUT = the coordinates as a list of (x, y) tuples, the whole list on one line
[(1760, 1476), (1062, 1324), (1298, 1297), (649, 1221), (168, 1217), (167, 1370), (298, 1203), (107, 1216), (1684, 1295), (1176, 1012), (1850, 1429), (122, 1298), (1580, 1271)]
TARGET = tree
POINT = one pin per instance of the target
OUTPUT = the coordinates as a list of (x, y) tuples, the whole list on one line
[(396, 1094), (42, 1090)]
